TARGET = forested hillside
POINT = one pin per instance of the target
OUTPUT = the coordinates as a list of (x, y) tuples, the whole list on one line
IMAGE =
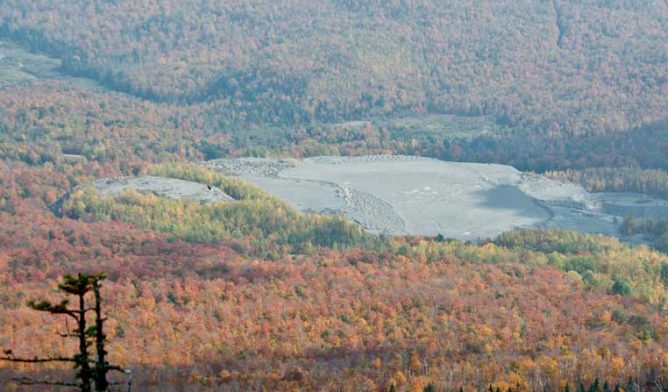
[(558, 66), (535, 310), (567, 84), (249, 294)]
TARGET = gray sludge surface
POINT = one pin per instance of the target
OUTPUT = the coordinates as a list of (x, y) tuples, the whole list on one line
[(161, 186), (404, 195)]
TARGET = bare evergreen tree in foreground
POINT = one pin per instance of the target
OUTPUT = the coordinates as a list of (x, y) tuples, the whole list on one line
[(90, 374)]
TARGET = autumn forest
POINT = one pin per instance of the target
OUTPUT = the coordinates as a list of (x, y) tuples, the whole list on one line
[(254, 295)]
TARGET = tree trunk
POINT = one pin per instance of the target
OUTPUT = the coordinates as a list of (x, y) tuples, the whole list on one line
[(82, 363), (101, 365)]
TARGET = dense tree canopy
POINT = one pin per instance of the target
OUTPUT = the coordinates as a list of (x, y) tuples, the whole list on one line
[(537, 308), (558, 66), (251, 294)]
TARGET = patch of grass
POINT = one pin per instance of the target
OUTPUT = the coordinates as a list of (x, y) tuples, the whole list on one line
[(446, 125)]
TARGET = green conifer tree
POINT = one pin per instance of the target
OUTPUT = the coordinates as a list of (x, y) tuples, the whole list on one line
[(86, 377)]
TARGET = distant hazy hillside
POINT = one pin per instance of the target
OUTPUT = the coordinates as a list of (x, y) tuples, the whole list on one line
[(557, 66)]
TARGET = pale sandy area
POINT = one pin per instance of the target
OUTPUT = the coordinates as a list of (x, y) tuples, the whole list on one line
[(403, 195), (399, 195), (161, 186)]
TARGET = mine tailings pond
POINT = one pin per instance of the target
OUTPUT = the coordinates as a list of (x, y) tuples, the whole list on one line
[(405, 195)]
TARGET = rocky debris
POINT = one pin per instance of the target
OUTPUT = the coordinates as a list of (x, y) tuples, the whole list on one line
[(557, 192), (251, 166), (162, 186), (422, 196), (372, 213), (332, 160)]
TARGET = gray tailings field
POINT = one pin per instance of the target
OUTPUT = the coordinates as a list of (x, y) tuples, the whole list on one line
[(170, 188), (399, 195)]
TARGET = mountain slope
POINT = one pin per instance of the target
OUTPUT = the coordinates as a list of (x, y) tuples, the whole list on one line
[(560, 66)]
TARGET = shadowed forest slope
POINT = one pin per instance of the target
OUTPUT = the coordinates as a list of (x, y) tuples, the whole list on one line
[(560, 66)]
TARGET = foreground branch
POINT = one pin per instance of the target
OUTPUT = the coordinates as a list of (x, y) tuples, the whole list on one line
[(37, 360), (28, 381), (119, 369)]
